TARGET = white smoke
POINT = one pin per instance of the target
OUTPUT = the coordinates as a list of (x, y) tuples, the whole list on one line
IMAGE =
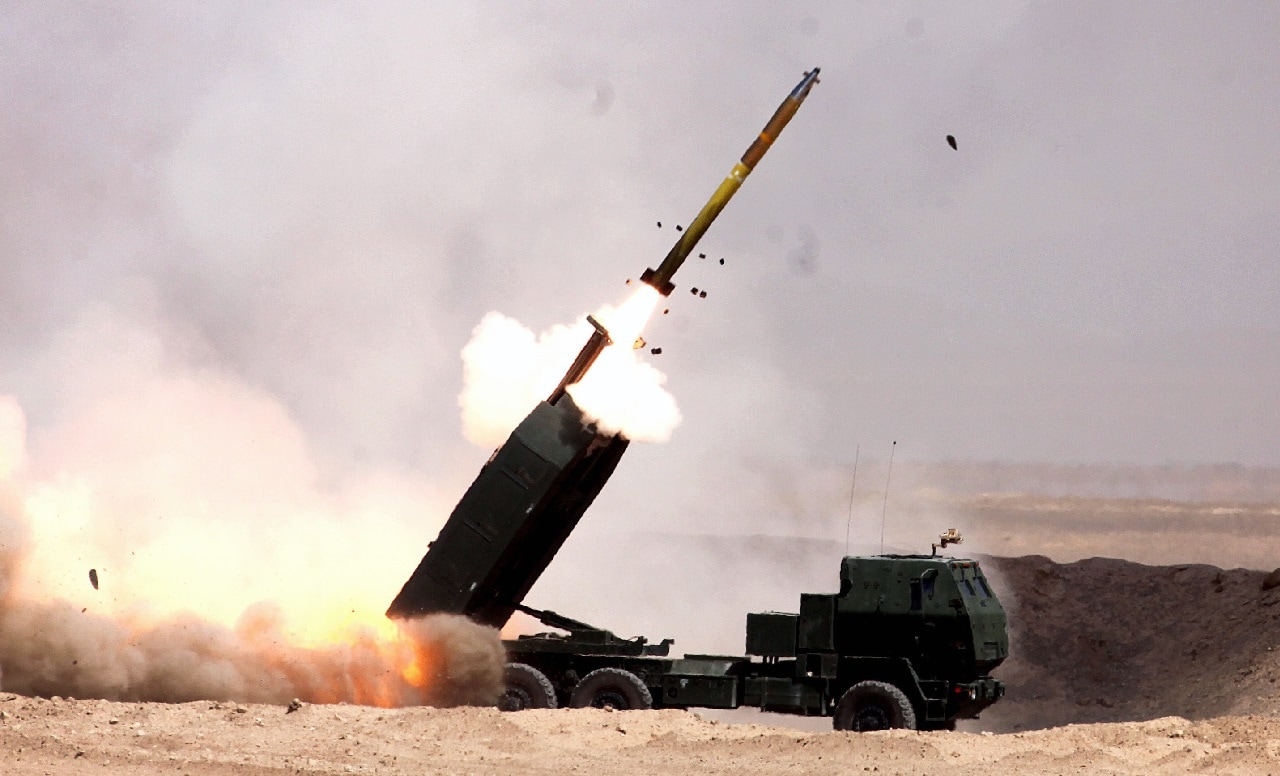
[(626, 395), (508, 369)]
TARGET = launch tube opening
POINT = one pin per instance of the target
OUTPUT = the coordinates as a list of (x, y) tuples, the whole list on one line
[(596, 343)]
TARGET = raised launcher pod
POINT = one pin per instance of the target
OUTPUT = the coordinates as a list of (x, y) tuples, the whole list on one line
[(519, 511)]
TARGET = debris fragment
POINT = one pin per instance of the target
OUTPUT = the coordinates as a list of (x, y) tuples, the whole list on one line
[(659, 224), (702, 294), (951, 140), (666, 310), (693, 291), (294, 705), (93, 578), (656, 351), (702, 255), (679, 228), (722, 260)]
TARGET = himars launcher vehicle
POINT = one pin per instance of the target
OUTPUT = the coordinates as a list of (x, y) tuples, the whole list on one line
[(908, 641)]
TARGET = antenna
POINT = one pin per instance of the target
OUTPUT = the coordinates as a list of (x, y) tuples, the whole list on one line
[(849, 523), (885, 508)]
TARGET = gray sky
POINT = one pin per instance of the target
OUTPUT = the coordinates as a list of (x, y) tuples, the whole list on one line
[(322, 201)]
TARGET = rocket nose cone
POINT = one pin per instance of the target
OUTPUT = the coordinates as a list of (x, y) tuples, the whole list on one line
[(802, 89)]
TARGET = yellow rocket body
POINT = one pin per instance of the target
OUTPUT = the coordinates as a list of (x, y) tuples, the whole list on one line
[(660, 278)]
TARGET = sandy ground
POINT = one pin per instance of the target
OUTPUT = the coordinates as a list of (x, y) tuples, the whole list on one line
[(82, 737), (1116, 667), (1095, 640)]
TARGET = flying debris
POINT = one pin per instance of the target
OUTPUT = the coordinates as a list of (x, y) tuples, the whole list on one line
[(693, 291), (659, 224), (93, 578), (702, 294), (660, 278), (722, 261), (702, 255), (951, 140), (656, 351), (666, 310)]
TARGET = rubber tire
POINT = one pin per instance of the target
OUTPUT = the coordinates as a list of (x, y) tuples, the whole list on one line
[(874, 705), (527, 688), (611, 687)]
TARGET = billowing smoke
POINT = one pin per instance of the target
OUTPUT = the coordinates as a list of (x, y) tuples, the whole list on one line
[(508, 369), (141, 540), (52, 648)]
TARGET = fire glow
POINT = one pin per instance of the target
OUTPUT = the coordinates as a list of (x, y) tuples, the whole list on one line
[(173, 617)]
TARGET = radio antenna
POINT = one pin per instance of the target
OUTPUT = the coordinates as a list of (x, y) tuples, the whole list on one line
[(884, 510), (849, 523)]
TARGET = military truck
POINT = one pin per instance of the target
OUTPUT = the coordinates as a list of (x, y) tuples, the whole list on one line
[(908, 641)]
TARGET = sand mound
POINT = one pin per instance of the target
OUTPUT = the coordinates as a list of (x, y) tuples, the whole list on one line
[(1104, 640)]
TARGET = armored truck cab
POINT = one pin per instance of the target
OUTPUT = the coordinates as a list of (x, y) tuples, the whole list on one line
[(908, 641)]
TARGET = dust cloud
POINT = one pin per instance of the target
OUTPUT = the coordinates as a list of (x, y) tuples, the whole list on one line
[(226, 570), (53, 648)]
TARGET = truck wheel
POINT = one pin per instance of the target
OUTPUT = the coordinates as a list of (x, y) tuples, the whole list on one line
[(527, 688), (873, 705), (611, 688)]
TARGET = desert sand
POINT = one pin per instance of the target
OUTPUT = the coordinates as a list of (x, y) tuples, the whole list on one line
[(1116, 667), (59, 737)]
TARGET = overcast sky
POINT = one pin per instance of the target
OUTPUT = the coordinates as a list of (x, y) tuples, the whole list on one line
[(322, 200)]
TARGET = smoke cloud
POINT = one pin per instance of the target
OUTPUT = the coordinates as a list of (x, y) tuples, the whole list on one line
[(226, 569), (508, 369), (52, 648)]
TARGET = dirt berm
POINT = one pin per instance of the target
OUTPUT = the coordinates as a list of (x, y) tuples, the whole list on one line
[(1104, 640)]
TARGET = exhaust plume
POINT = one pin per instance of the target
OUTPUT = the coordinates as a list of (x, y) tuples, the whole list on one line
[(507, 369)]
